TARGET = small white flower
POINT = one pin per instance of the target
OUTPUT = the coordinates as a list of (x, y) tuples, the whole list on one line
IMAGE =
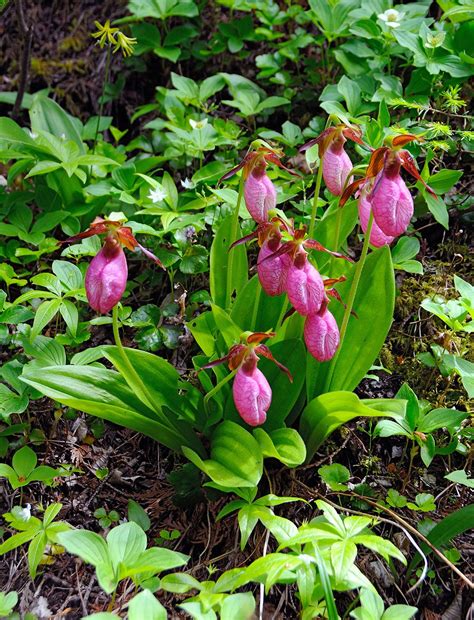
[(391, 17), (187, 183), (435, 39), (4, 182), (25, 513), (198, 124), (157, 195)]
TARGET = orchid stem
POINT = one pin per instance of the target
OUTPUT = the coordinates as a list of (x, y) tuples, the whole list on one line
[(137, 383), (284, 308), (256, 304), (101, 104), (233, 237), (216, 388), (350, 300), (314, 208)]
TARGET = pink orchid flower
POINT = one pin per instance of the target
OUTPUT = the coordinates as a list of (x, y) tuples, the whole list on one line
[(377, 237), (388, 196), (321, 334), (251, 391), (336, 163), (304, 286), (106, 276), (259, 191)]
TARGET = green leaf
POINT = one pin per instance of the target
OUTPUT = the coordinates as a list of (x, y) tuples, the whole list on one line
[(254, 310), (380, 545), (105, 394), (24, 461), (443, 181), (374, 304), (89, 546), (412, 413), (70, 315), (284, 444), (179, 583), (35, 552), (239, 606), (442, 418), (343, 555), (219, 264), (44, 314), (236, 459), (145, 605), (326, 413), (138, 515), (453, 525), (336, 476), (460, 477), (47, 115), (125, 544), (438, 208)]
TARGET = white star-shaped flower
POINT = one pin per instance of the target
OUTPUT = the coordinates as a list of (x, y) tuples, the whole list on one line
[(187, 183), (25, 513), (198, 124), (391, 17), (4, 182), (157, 195)]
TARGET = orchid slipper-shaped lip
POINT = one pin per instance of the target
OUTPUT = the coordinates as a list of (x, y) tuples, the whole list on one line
[(106, 276), (389, 198), (336, 163), (251, 391), (321, 335)]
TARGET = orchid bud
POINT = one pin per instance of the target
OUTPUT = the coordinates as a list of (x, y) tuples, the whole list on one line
[(272, 272), (252, 395), (336, 167), (260, 194), (377, 237), (321, 335), (106, 277), (305, 288), (392, 203)]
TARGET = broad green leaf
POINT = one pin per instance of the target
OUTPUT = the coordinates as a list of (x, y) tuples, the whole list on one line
[(236, 459), (89, 546), (448, 528), (105, 394), (441, 418), (35, 552), (47, 115), (24, 461), (374, 304), (125, 543), (253, 310), (44, 314), (460, 477), (145, 605), (343, 555), (221, 286), (326, 413), (179, 583), (240, 606), (284, 444), (380, 545)]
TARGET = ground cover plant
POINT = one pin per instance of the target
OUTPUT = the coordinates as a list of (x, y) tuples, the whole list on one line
[(236, 372)]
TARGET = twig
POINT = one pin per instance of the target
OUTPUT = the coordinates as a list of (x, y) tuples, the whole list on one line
[(27, 34), (414, 531), (262, 585)]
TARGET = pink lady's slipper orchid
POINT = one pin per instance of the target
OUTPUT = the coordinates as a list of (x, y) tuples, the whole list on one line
[(388, 196), (259, 191), (335, 161), (251, 391), (321, 334), (106, 276), (377, 237)]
